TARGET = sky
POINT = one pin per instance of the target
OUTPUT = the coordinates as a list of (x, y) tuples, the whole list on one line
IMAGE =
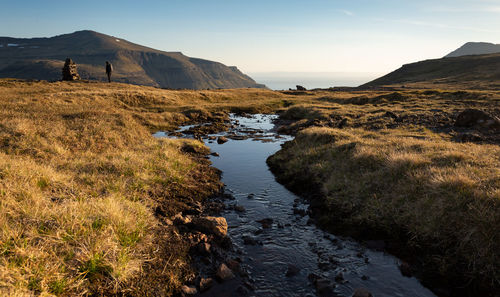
[(375, 36)]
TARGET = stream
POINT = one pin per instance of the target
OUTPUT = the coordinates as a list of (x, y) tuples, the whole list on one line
[(291, 243)]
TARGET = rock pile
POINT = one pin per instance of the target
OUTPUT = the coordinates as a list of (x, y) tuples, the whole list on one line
[(69, 72)]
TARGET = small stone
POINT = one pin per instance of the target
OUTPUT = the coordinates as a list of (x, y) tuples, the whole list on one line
[(258, 231), (226, 243), (239, 208), (378, 245), (213, 225), (242, 291), (390, 114), (405, 269), (300, 212), (221, 140), (205, 284), (215, 154), (249, 285), (224, 273), (212, 137), (324, 265), (292, 270), (266, 223), (324, 287), (312, 277), (361, 292), (228, 196), (365, 277), (339, 277), (187, 290), (249, 240), (179, 219), (233, 265), (204, 248)]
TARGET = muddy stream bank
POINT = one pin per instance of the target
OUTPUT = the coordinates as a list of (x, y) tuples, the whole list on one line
[(279, 250)]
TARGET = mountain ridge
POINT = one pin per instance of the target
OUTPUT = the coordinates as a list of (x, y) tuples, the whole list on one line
[(463, 68), (43, 57), (475, 48)]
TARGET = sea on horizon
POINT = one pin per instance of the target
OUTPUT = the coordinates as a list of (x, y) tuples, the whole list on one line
[(312, 80)]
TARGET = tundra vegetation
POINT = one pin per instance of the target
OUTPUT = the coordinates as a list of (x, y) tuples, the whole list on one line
[(87, 193)]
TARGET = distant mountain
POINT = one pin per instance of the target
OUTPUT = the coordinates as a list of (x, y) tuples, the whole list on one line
[(475, 48), (476, 71), (43, 58)]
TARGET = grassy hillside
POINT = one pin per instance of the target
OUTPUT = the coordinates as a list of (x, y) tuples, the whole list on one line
[(42, 58), (474, 72)]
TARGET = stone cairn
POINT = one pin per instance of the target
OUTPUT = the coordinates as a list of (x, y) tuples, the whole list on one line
[(69, 71)]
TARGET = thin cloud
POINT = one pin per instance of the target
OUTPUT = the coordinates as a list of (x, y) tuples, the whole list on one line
[(437, 25), (487, 9), (346, 12)]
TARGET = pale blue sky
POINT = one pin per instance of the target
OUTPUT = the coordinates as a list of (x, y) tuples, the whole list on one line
[(272, 35)]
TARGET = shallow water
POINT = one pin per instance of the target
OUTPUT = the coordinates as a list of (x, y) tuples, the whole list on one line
[(291, 240)]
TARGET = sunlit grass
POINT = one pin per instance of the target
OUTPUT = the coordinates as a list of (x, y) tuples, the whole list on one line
[(443, 195)]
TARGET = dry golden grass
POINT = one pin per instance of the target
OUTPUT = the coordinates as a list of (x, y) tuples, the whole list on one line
[(84, 186), (80, 179), (394, 171), (415, 185)]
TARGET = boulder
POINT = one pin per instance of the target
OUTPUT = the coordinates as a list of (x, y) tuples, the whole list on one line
[(212, 225), (224, 273), (300, 88), (478, 119)]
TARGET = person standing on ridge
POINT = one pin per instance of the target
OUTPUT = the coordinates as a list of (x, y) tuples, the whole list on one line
[(109, 69)]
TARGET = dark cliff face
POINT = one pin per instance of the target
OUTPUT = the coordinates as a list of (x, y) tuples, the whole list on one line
[(42, 58)]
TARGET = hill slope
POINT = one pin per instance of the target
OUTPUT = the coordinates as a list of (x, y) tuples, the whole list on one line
[(480, 71), (42, 58), (475, 48)]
